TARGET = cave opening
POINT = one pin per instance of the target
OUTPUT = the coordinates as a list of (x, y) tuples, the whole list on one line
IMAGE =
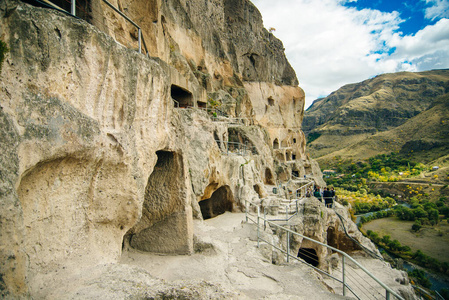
[(269, 179), (258, 190), (288, 155), (284, 144), (183, 97), (340, 240), (220, 202), (163, 210), (309, 255), (217, 139), (276, 144), (295, 173)]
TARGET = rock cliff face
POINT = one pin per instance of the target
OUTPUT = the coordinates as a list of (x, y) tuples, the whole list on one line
[(404, 112), (104, 148)]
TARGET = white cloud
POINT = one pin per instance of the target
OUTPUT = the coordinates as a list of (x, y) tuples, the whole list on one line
[(330, 45), (427, 41), (437, 9)]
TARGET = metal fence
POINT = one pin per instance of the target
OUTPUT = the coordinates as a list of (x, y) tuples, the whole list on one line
[(84, 9), (352, 277), (229, 148)]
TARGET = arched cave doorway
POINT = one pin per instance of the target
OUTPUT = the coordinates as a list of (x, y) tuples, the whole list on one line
[(268, 178), (220, 202), (284, 143), (163, 225), (340, 240), (276, 144), (258, 190), (309, 255)]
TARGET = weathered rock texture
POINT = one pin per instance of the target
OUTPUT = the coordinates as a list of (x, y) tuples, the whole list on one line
[(96, 156)]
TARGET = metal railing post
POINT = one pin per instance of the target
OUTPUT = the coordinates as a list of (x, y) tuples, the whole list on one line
[(264, 219), (258, 226), (343, 274), (387, 295), (140, 40), (286, 212), (288, 246), (73, 8)]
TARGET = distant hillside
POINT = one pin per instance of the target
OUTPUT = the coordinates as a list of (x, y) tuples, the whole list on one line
[(402, 112)]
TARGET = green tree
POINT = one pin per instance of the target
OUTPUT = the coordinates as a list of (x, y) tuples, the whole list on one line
[(395, 245), (417, 225), (420, 277), (419, 213), (386, 239)]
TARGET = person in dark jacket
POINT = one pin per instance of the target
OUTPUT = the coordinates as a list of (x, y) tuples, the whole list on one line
[(317, 193), (328, 198)]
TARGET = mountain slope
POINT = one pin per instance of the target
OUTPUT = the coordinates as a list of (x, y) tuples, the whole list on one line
[(405, 112)]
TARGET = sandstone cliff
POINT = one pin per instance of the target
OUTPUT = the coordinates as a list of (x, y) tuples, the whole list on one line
[(404, 112), (105, 149)]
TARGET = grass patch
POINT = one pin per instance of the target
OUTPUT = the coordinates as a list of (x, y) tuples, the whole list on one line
[(432, 240)]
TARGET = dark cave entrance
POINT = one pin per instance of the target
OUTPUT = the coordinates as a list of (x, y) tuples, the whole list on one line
[(217, 139), (258, 190), (182, 96), (220, 202), (268, 179), (275, 144), (340, 240), (309, 256)]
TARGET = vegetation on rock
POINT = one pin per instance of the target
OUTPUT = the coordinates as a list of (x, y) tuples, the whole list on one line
[(3, 50)]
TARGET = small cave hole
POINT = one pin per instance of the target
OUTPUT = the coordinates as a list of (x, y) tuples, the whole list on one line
[(268, 179), (182, 97), (276, 144), (309, 256), (270, 101), (258, 190), (217, 139), (220, 202), (284, 143)]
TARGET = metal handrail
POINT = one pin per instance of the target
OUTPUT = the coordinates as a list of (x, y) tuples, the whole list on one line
[(72, 12), (388, 290), (140, 36), (242, 149)]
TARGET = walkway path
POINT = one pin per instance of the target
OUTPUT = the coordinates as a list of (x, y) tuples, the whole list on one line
[(230, 258)]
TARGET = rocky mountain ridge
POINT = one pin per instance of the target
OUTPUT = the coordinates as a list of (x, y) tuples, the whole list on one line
[(392, 112)]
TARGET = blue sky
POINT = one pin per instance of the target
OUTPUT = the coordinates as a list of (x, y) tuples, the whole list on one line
[(331, 43)]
